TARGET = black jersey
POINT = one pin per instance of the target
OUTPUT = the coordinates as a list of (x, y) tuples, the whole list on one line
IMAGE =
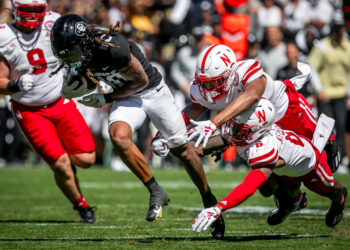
[(107, 61)]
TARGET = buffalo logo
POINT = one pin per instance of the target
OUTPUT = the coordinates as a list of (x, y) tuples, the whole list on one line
[(80, 28)]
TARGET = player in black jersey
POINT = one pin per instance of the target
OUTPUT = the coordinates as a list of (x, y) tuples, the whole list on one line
[(99, 54)]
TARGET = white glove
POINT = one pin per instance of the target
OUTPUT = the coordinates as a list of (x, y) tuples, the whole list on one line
[(93, 100), (204, 129), (205, 219), (69, 91), (26, 82), (160, 146)]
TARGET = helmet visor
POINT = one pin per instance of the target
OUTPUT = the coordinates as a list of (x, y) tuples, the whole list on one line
[(68, 59)]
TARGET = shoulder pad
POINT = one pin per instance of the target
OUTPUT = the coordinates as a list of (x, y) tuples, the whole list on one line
[(249, 70), (263, 152)]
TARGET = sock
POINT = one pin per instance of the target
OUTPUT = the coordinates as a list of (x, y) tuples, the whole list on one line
[(80, 203), (208, 199), (152, 185)]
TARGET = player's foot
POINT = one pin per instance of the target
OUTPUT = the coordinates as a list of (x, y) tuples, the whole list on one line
[(333, 155), (217, 229), (87, 214), (157, 201), (278, 215), (336, 211)]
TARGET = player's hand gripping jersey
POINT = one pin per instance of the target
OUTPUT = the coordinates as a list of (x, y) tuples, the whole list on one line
[(32, 52)]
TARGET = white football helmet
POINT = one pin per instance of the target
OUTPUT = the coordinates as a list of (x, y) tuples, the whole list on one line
[(213, 70), (29, 13), (250, 125)]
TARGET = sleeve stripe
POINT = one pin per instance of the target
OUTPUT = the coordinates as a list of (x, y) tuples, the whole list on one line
[(193, 100), (255, 64), (246, 78), (269, 154), (273, 160)]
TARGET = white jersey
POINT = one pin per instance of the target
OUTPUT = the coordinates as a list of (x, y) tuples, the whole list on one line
[(244, 72), (32, 51), (298, 153)]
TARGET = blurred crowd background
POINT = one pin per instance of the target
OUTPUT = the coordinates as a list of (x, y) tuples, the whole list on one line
[(171, 33)]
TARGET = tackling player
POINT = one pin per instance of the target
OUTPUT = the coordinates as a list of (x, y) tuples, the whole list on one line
[(52, 125), (98, 54), (270, 150), (229, 87)]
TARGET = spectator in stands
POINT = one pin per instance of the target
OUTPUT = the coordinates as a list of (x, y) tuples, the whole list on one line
[(331, 60), (273, 55), (268, 15)]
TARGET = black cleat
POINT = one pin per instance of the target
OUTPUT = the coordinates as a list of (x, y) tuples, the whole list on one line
[(87, 214), (333, 156), (157, 201), (278, 215), (217, 229), (336, 211)]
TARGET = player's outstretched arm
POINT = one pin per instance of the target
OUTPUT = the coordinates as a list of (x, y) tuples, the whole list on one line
[(251, 94)]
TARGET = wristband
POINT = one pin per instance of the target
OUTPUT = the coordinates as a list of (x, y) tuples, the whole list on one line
[(108, 98), (13, 86)]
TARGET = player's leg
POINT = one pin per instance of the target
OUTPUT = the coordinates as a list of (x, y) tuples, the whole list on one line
[(168, 120), (320, 180), (79, 143), (126, 116), (42, 136), (288, 199)]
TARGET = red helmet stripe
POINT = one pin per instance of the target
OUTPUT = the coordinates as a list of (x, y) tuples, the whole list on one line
[(205, 57)]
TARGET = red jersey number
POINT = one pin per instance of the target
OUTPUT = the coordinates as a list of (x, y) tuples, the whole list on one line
[(294, 139), (36, 58)]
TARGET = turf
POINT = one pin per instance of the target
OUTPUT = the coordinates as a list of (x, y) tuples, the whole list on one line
[(35, 215)]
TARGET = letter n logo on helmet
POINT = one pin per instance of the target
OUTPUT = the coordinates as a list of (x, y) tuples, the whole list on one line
[(80, 28), (262, 116), (226, 60)]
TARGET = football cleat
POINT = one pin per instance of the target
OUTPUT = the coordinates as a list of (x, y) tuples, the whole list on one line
[(217, 229), (336, 211), (87, 214), (157, 201), (333, 156), (278, 215)]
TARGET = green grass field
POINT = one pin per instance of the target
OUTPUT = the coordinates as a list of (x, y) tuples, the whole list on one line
[(35, 215)]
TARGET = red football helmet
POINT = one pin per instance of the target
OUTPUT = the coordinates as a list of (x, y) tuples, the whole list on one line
[(29, 13), (213, 70)]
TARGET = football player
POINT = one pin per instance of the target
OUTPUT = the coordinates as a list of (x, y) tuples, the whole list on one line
[(52, 125), (229, 87), (270, 150), (99, 54)]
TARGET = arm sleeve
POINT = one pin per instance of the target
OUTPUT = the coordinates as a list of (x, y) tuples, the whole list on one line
[(243, 191)]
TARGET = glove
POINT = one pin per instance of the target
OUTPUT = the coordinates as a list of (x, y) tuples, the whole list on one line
[(69, 90), (205, 219), (105, 88), (26, 82), (93, 100), (204, 129), (160, 146)]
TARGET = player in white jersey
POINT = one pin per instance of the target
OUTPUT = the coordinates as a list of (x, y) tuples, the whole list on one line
[(229, 87), (52, 125), (270, 150)]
